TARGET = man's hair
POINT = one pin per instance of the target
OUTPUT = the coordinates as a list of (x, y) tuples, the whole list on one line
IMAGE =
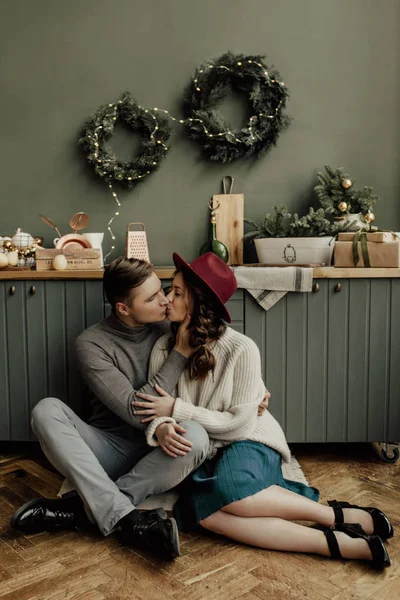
[(122, 276)]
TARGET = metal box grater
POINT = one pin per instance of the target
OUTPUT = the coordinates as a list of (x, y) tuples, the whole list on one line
[(136, 243)]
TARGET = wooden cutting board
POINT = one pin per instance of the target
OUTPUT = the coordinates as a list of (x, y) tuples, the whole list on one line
[(229, 221)]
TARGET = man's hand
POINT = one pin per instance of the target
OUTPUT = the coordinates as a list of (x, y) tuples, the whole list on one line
[(264, 404), (182, 338), (156, 406), (170, 441)]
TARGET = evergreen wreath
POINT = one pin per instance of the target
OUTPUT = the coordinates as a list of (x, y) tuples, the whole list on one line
[(267, 97), (99, 129)]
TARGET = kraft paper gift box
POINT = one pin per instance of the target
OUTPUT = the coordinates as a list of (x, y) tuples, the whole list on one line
[(381, 253), (372, 236)]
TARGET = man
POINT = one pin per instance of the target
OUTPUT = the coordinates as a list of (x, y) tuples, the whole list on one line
[(107, 459)]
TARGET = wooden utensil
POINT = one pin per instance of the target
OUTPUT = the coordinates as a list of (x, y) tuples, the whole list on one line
[(78, 221), (50, 223), (229, 220)]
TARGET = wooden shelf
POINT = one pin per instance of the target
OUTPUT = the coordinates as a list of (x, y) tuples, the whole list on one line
[(98, 274), (162, 272), (341, 272), (167, 272), (361, 273)]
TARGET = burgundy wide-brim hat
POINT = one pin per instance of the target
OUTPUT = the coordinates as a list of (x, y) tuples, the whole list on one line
[(211, 272)]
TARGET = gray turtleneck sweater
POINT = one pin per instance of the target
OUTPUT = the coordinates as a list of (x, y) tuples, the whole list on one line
[(113, 359)]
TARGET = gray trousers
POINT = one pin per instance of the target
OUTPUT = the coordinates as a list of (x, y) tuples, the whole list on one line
[(111, 470)]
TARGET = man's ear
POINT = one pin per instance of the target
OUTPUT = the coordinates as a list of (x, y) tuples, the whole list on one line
[(122, 308)]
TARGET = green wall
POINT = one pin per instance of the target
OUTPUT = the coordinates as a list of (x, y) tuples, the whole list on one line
[(60, 60)]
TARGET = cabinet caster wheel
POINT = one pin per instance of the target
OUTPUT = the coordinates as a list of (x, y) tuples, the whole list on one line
[(392, 458)]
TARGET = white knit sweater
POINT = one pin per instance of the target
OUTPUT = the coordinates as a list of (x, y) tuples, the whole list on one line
[(226, 402)]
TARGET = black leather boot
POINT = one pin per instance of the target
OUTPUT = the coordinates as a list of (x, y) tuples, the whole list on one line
[(149, 529), (48, 514), (155, 512)]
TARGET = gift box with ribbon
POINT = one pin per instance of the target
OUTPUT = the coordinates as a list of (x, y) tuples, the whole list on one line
[(372, 236), (367, 249)]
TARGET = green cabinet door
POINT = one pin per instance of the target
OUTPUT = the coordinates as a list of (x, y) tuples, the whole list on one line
[(39, 321), (331, 360), (5, 419), (23, 366), (70, 307), (14, 359)]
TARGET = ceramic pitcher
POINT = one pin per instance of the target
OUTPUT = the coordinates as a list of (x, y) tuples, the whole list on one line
[(96, 240)]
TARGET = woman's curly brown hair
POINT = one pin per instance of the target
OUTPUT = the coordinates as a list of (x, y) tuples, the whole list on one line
[(206, 328)]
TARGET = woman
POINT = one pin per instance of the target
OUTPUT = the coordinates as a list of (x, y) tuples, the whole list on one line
[(239, 491)]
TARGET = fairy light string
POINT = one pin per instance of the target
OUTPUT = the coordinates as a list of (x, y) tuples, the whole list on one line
[(267, 95), (116, 214), (252, 118), (108, 167), (100, 127)]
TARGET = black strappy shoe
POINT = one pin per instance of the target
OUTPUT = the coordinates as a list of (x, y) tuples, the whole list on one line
[(382, 526), (380, 556)]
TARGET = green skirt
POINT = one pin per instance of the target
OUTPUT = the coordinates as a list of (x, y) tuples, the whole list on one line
[(239, 470)]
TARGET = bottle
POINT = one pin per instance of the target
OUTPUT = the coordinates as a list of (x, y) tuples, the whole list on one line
[(213, 244)]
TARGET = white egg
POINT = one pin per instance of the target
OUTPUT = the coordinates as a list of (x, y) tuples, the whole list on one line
[(59, 262), (3, 260), (12, 259)]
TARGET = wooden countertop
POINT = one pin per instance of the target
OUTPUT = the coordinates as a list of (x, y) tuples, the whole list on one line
[(166, 273), (162, 272)]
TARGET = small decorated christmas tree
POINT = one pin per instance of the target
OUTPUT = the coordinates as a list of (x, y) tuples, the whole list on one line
[(339, 197), (344, 208)]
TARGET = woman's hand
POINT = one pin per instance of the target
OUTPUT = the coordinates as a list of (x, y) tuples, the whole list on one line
[(182, 338), (156, 406), (264, 404), (170, 441)]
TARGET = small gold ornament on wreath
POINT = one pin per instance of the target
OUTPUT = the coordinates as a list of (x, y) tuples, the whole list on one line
[(347, 183), (369, 217), (342, 206)]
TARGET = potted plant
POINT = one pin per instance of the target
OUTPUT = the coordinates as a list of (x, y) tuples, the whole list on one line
[(284, 238)]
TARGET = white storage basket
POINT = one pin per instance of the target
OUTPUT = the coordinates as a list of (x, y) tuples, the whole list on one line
[(295, 251)]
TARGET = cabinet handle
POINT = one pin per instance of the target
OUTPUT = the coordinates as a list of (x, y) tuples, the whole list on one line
[(33, 290), (338, 287), (12, 290), (315, 288)]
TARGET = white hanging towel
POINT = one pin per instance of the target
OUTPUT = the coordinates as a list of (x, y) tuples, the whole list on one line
[(269, 284)]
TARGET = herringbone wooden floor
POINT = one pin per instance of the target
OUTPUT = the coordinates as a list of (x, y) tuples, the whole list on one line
[(85, 567)]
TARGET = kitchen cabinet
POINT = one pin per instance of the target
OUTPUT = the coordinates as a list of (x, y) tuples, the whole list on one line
[(331, 360), (39, 321), (329, 357)]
